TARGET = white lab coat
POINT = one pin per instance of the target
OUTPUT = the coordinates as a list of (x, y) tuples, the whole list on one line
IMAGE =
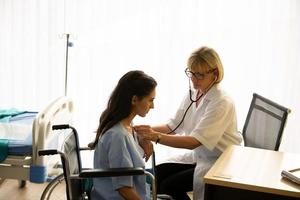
[(213, 123)]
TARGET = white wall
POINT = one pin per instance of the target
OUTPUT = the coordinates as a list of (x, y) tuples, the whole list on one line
[(258, 41)]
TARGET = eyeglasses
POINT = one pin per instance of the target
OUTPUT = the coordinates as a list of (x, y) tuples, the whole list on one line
[(197, 75)]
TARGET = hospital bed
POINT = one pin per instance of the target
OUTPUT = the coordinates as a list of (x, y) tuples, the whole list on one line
[(28, 133)]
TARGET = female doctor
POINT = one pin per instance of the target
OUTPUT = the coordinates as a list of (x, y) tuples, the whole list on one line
[(205, 122)]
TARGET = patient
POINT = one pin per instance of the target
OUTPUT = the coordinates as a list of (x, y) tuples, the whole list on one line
[(116, 144)]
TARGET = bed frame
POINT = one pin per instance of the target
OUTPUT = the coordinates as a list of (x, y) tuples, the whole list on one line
[(35, 168)]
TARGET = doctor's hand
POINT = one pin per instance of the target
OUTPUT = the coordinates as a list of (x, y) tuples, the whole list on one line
[(146, 132)]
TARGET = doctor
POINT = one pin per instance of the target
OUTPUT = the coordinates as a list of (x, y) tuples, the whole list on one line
[(205, 122)]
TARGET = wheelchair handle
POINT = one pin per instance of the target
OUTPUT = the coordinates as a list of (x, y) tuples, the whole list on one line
[(60, 126), (48, 152)]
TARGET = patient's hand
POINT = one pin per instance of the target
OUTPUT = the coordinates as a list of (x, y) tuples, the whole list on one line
[(147, 147)]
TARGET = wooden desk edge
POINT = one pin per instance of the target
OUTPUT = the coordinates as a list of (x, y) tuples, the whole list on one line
[(254, 188), (211, 179)]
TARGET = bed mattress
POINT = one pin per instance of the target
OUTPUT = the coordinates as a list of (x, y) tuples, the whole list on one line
[(18, 132)]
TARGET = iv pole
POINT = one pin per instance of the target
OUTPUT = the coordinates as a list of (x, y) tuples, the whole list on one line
[(68, 44)]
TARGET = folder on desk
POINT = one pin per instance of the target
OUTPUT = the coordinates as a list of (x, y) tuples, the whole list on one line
[(292, 175)]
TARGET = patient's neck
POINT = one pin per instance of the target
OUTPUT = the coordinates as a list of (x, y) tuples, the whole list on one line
[(127, 123)]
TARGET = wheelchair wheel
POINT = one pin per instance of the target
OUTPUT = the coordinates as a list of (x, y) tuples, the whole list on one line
[(48, 192)]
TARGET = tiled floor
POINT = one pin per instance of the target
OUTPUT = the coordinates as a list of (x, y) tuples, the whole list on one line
[(10, 190)]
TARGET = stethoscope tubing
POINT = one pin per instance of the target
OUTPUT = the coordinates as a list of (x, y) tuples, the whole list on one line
[(192, 101)]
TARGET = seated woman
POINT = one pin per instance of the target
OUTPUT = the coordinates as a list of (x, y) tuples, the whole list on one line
[(116, 144)]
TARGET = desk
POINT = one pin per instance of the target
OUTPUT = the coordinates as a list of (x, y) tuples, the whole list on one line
[(248, 173)]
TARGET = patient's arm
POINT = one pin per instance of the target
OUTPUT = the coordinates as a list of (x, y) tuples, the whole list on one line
[(147, 147), (128, 193)]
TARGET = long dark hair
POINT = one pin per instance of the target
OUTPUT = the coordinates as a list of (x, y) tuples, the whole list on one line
[(119, 104)]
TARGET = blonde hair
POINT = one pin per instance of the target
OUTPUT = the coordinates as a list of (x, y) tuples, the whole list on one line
[(206, 59)]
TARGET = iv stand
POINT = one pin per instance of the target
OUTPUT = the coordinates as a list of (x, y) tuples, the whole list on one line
[(68, 44)]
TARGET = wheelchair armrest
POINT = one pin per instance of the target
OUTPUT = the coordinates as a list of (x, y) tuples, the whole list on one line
[(94, 173), (85, 149)]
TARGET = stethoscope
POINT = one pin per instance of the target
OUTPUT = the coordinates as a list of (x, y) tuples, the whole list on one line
[(193, 101)]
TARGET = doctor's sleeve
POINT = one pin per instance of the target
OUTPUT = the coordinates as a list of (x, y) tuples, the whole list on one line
[(212, 126)]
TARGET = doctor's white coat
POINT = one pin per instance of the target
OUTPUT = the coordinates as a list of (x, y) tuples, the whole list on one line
[(213, 123)]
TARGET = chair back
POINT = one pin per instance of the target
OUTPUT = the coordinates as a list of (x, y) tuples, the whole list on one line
[(264, 124)]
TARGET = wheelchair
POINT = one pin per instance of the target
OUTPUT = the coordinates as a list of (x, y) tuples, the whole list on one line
[(78, 180)]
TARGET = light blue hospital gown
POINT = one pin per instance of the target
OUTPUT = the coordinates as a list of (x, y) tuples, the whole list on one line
[(117, 148)]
